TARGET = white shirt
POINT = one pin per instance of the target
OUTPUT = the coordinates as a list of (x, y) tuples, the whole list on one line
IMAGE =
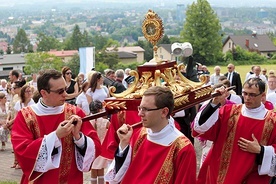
[(230, 77), (18, 105), (260, 76), (235, 98), (98, 94), (271, 97), (82, 101), (214, 78)]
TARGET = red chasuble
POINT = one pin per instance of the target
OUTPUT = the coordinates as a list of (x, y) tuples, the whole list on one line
[(173, 164), (226, 163), (27, 134)]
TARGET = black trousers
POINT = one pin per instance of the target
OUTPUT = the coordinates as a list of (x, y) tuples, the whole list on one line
[(185, 122)]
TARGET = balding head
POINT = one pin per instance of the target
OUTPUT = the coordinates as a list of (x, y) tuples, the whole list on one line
[(230, 67), (217, 70)]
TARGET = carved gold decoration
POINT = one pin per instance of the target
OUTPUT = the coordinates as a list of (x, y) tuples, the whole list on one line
[(203, 92), (115, 105), (182, 100), (171, 77), (153, 30)]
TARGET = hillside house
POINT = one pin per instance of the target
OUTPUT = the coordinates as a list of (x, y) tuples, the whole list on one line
[(129, 54), (10, 62), (253, 42)]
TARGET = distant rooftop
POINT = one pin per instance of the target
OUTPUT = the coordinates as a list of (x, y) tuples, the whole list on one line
[(63, 53)]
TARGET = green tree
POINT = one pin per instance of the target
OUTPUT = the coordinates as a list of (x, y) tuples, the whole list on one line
[(109, 59), (74, 42), (46, 43), (99, 42), (86, 39), (202, 30), (164, 40), (22, 43), (41, 61), (76, 39), (74, 64)]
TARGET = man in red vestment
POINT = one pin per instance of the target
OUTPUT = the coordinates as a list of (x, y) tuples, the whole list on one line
[(156, 153), (50, 140), (233, 128)]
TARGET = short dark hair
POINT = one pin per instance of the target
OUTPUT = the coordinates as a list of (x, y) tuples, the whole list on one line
[(45, 76), (15, 73), (95, 106), (20, 84), (163, 97), (257, 82)]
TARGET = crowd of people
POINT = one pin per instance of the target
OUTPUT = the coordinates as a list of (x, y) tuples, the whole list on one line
[(52, 144)]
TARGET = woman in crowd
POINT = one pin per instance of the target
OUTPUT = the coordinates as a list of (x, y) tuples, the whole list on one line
[(72, 87), (15, 90), (4, 131), (80, 80), (26, 98), (82, 100), (96, 89)]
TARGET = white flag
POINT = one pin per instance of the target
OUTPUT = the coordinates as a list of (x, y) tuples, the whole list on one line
[(87, 59)]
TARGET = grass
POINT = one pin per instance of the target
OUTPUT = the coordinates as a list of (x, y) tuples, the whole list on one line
[(8, 182), (242, 69)]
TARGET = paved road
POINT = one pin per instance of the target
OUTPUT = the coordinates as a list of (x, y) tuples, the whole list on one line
[(10, 174)]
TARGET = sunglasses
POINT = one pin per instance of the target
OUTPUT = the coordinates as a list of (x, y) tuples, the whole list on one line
[(68, 73), (58, 91)]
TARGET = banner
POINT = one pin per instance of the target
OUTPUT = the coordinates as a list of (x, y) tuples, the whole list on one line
[(87, 59)]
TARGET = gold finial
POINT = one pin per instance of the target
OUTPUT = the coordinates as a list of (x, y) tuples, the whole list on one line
[(153, 30)]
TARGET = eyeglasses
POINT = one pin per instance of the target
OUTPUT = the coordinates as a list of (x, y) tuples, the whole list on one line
[(144, 109), (68, 73), (251, 95), (58, 91), (229, 67)]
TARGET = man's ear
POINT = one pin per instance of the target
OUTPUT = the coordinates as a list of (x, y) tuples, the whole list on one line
[(165, 112), (43, 92)]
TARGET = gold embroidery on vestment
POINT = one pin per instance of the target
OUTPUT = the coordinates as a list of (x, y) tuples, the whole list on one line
[(228, 145), (166, 171)]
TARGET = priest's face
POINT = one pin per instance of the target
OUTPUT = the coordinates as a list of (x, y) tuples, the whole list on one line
[(252, 96), (55, 96), (152, 117)]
